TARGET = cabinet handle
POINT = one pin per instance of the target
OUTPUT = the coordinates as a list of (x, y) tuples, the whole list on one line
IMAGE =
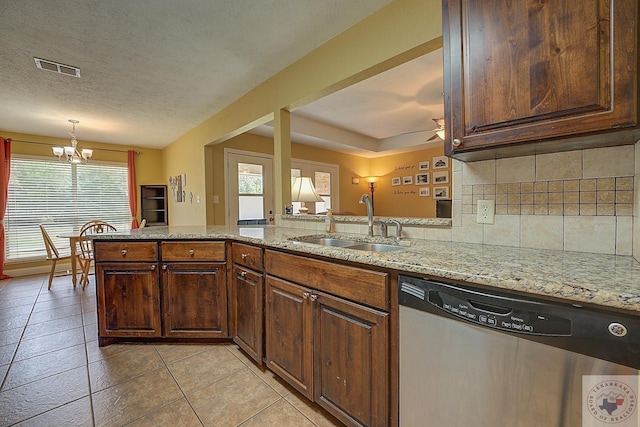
[(305, 295), (456, 142), (314, 297), (191, 252), (244, 256), (243, 273), (153, 267), (124, 252), (164, 266)]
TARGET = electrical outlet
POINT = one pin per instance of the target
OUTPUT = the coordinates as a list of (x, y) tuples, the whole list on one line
[(486, 211)]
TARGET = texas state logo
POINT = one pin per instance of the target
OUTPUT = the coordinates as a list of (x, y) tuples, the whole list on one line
[(611, 401)]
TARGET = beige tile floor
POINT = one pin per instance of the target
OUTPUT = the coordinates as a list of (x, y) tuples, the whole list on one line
[(53, 373)]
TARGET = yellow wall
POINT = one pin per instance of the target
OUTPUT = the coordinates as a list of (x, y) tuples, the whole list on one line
[(147, 170), (147, 162), (388, 201), (399, 32), (404, 200)]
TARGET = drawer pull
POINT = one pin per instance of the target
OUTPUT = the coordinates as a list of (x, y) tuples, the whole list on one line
[(153, 267), (243, 273), (314, 297), (305, 295), (456, 142), (191, 252), (124, 252), (244, 256)]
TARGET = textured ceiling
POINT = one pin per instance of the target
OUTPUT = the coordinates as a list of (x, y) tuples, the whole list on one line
[(153, 69)]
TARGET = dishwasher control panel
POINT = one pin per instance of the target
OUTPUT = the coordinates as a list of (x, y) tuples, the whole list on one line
[(492, 311), (499, 315)]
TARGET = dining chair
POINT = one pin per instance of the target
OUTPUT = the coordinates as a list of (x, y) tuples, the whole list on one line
[(85, 242), (143, 223), (53, 254)]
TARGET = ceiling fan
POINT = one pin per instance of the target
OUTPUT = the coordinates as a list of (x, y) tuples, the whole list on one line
[(439, 131)]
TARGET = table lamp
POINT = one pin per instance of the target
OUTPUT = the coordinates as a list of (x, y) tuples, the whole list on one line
[(302, 190)]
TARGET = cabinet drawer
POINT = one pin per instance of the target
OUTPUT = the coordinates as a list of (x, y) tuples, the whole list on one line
[(353, 283), (193, 251), (125, 251), (248, 256)]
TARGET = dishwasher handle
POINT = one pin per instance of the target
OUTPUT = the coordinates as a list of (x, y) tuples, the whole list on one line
[(490, 308)]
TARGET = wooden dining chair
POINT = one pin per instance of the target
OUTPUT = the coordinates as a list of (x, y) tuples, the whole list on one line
[(143, 223), (53, 254), (85, 242)]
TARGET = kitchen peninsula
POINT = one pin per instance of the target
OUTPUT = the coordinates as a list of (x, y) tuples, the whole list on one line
[(297, 307), (611, 281)]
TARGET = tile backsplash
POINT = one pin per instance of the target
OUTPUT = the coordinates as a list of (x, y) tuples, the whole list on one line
[(585, 201), (576, 201)]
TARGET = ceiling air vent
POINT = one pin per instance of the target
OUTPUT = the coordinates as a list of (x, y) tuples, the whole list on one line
[(56, 67)]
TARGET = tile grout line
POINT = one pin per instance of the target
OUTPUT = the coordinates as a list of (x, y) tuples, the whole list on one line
[(13, 356), (86, 355)]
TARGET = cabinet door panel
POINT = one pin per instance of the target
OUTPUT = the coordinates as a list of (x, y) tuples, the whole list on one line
[(247, 311), (194, 300), (351, 361), (289, 344), (128, 300), (525, 71)]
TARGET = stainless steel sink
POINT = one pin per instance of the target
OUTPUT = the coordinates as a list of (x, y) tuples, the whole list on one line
[(329, 241), (350, 244), (375, 247)]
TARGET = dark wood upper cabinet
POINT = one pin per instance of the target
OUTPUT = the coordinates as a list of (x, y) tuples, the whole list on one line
[(518, 73)]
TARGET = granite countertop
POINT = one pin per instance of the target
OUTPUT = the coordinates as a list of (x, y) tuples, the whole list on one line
[(605, 280)]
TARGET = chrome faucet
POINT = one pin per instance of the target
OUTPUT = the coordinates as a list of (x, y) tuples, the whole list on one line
[(365, 199), (398, 228)]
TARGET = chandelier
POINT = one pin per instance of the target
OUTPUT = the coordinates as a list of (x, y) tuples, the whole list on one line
[(71, 153)]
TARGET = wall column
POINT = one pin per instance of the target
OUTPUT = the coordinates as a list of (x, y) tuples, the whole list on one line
[(282, 159)]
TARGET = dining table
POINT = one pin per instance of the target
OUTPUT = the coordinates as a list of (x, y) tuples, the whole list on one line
[(73, 237)]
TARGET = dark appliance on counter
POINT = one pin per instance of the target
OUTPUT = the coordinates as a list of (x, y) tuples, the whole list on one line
[(443, 208), (471, 357)]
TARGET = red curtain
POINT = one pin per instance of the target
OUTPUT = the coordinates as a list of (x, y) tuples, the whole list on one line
[(133, 194), (5, 170)]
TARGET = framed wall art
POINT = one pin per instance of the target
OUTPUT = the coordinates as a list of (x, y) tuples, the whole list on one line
[(441, 192), (422, 178), (440, 162), (441, 177)]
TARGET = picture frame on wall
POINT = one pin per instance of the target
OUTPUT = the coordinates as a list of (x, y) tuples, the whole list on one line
[(423, 191), (440, 162), (440, 178), (407, 180), (441, 192), (422, 178), (423, 166), (396, 180)]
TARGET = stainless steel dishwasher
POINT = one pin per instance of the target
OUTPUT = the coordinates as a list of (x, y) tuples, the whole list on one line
[(471, 357)]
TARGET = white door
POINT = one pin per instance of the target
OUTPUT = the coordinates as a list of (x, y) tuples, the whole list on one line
[(249, 194)]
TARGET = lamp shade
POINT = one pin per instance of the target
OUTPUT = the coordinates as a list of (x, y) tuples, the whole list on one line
[(302, 190)]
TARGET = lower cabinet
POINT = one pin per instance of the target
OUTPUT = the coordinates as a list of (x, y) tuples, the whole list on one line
[(128, 299), (247, 300), (194, 302), (173, 289), (332, 350)]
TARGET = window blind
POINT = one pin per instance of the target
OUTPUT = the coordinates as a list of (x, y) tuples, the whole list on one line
[(62, 197)]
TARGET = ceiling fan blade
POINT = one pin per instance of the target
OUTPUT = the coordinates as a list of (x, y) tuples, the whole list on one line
[(432, 138)]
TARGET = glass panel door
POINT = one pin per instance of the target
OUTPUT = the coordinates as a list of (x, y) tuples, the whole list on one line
[(250, 190)]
